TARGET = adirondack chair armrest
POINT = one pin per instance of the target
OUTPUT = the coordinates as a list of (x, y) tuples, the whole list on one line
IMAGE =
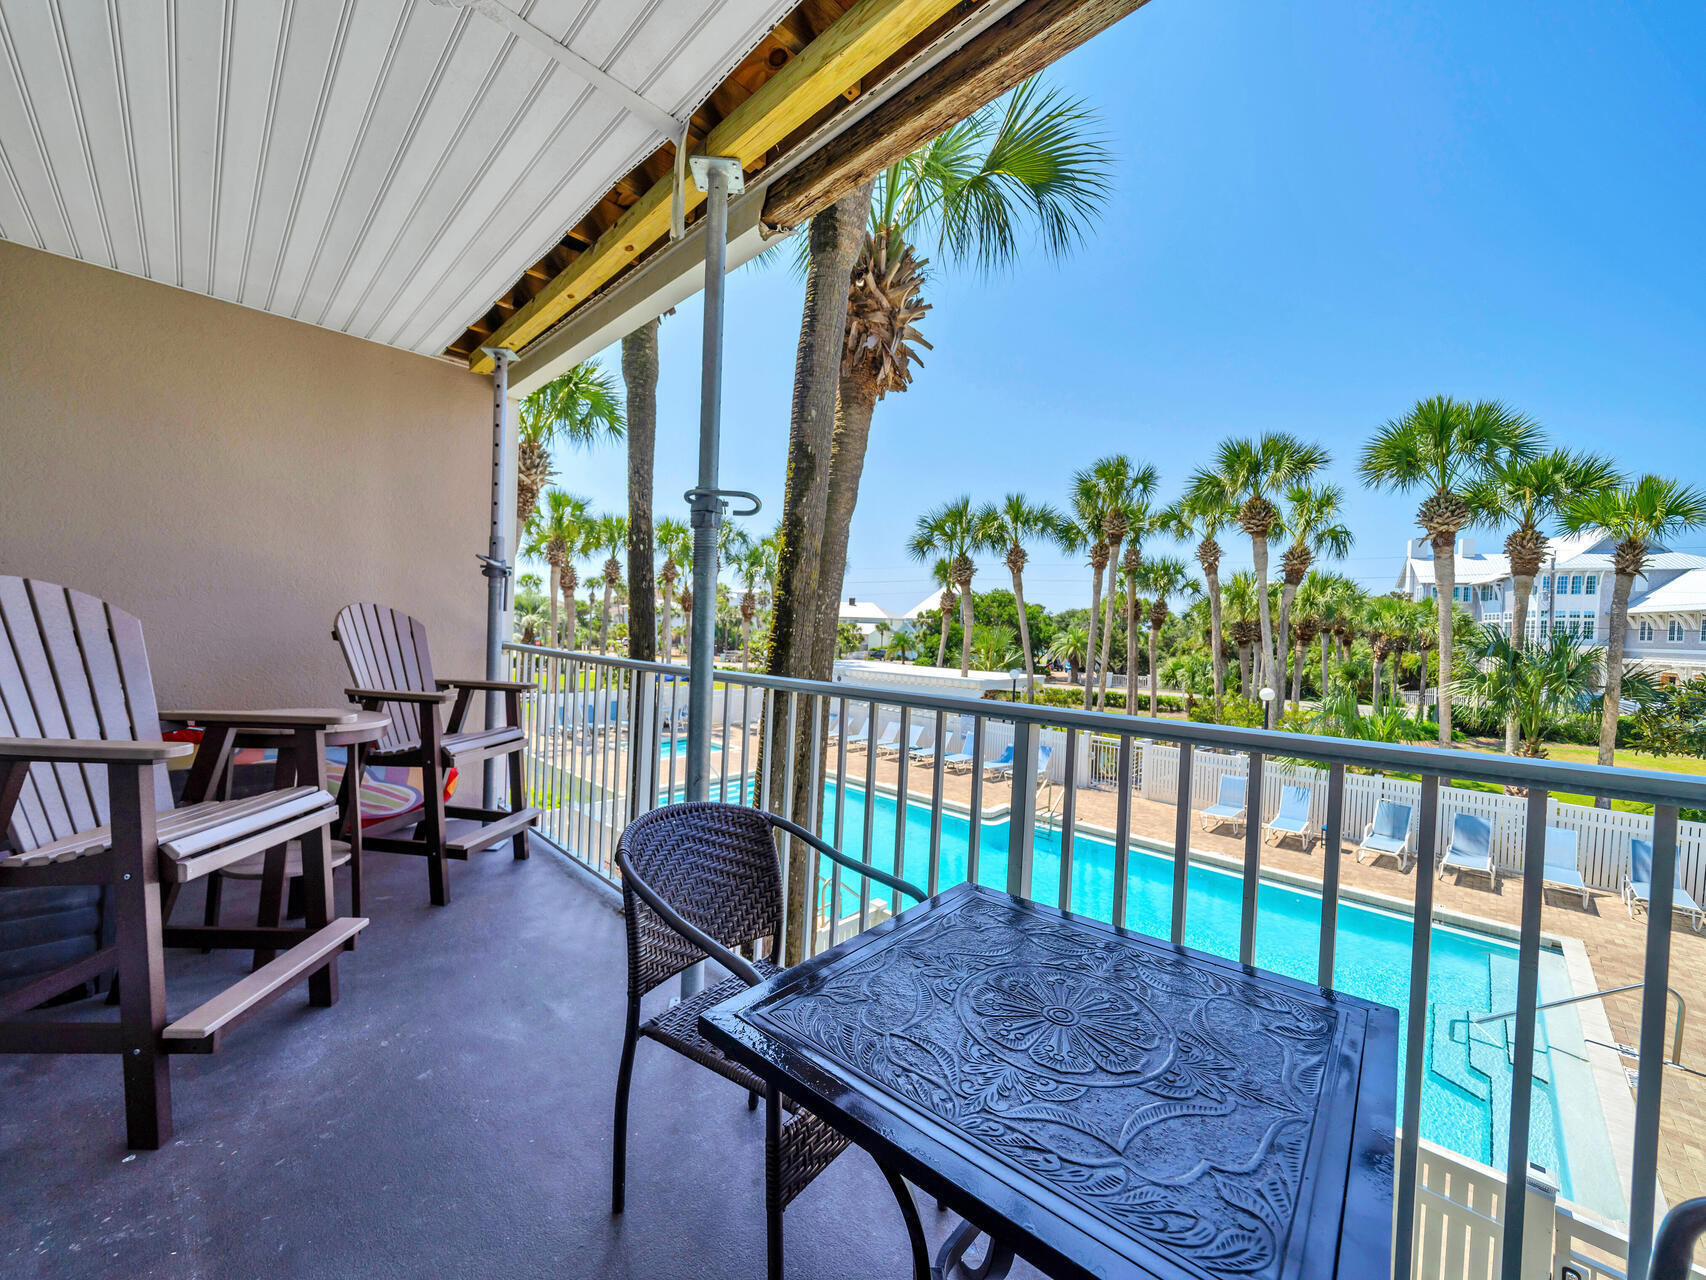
[(91, 750), (420, 697), (268, 718), (490, 686)]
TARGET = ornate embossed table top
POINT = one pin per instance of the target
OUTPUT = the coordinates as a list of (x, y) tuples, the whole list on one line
[(1117, 1105)]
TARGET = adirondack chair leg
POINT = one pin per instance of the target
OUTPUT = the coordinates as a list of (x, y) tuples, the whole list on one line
[(433, 834), (349, 808), (210, 913), (318, 910), (271, 912), (141, 961), (517, 784)]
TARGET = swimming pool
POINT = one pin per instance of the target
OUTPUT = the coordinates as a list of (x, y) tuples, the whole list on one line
[(1467, 1079)]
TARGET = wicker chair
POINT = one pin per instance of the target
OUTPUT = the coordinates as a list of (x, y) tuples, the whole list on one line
[(699, 880)]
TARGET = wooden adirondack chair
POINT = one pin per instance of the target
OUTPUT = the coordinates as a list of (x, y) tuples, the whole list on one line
[(388, 659), (85, 801)]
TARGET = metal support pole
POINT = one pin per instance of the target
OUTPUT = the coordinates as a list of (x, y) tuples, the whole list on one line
[(716, 174), (495, 563)]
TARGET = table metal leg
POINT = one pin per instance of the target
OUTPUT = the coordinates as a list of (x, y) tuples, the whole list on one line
[(921, 1269), (997, 1257)]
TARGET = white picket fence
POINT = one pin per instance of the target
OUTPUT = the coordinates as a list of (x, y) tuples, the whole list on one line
[(1603, 835)]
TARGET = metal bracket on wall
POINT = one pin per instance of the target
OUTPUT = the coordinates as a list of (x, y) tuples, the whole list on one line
[(707, 505)]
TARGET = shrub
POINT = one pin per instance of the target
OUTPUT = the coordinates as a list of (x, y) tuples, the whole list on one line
[(1073, 696), (1240, 712)]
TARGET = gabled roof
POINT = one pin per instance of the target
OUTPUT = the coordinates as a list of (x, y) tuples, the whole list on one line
[(1471, 570), (864, 611), (1683, 594), (930, 602)]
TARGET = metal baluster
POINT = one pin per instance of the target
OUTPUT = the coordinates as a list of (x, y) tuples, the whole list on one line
[(1022, 810), (723, 758), (974, 837), (840, 841), (656, 762), (1252, 861), (1649, 1092), (1184, 790), (867, 850), (1527, 998), (1334, 837), (1068, 817), (579, 764), (766, 749), (808, 900), (674, 742), (1421, 941), (935, 872), (1122, 831), (747, 791), (900, 794)]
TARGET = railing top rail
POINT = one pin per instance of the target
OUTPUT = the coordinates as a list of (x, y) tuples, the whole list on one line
[(1641, 785)]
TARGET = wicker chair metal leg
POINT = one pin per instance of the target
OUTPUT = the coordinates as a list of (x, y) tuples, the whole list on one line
[(619, 1141), (773, 1181), (914, 1228)]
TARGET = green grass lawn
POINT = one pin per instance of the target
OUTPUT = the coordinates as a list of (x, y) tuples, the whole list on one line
[(1575, 753)]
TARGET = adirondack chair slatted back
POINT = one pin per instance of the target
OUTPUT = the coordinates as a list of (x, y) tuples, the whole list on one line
[(386, 649), (72, 666)]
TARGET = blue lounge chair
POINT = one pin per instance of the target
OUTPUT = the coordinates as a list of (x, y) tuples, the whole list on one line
[(1292, 818), (894, 748), (926, 753), (1388, 836), (1228, 804), (1638, 886), (961, 761), (834, 730), (891, 735), (1471, 848), (1563, 871), (1002, 765), (1044, 755)]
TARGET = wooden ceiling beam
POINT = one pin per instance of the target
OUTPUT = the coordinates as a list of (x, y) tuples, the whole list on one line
[(1036, 34), (856, 43)]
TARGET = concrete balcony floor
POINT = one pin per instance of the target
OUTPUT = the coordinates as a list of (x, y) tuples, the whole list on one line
[(449, 1117)]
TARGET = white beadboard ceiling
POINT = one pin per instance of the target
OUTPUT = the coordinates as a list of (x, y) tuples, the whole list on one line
[(381, 167)]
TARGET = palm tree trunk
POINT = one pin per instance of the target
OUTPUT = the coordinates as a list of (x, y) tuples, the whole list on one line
[(1324, 648), (640, 378), (569, 608), (1108, 629), (1025, 638), (942, 640), (1297, 677), (1217, 658), (1422, 687), (1519, 637), (1445, 581), (1131, 651), (965, 628), (835, 236), (1614, 647), (1154, 677), (1379, 661), (556, 587), (1287, 592), (666, 627), (1265, 664), (604, 618), (746, 644), (855, 403), (1244, 669), (1090, 645)]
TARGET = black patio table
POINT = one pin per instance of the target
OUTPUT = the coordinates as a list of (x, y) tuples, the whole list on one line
[(1095, 1101)]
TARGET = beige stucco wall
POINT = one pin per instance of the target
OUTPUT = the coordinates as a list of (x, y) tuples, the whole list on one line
[(234, 479)]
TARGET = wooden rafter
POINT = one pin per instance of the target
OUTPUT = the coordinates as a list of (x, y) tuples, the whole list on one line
[(765, 104)]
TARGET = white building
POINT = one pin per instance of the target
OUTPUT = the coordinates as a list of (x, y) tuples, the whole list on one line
[(866, 614), (1572, 596)]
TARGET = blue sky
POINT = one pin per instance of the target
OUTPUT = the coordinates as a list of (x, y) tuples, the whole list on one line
[(1321, 214)]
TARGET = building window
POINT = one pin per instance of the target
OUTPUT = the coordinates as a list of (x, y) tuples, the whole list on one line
[(1645, 631), (1489, 593), (1703, 631), (1593, 584), (1545, 583), (1674, 634), (1587, 627), (1576, 584)]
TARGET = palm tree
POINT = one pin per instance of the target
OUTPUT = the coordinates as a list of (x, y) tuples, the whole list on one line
[(1242, 616), (1202, 513), (580, 406), (640, 378), (1653, 509), (675, 540), (1526, 492), (1310, 603), (1089, 502), (943, 573), (1383, 624), (1070, 646), (1446, 447), (1161, 578), (1126, 490), (1032, 157), (951, 531), (1005, 527), (1313, 524), (1418, 633), (1250, 473), (749, 560), (1342, 604), (557, 535), (610, 536), (1532, 684)]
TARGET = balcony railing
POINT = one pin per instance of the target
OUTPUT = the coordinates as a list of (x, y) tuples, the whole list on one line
[(607, 742)]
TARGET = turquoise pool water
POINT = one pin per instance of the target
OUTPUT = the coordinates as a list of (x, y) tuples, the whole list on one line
[(1467, 1081), (678, 747)]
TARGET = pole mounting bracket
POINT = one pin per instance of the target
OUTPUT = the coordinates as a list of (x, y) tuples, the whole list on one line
[(709, 505)]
